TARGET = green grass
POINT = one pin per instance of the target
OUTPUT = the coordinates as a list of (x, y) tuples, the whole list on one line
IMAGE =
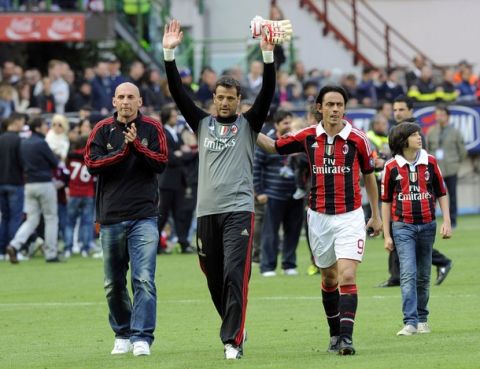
[(55, 316)]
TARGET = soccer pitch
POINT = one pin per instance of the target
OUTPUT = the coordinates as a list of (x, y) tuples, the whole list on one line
[(55, 316)]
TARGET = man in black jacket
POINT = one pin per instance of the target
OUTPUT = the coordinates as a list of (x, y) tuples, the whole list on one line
[(126, 151), (11, 181), (38, 162)]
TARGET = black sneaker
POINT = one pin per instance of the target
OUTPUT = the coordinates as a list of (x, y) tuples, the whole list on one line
[(443, 272), (334, 345), (56, 259), (346, 347), (389, 283), (12, 254)]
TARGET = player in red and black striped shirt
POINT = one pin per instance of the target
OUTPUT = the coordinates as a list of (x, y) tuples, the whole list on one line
[(337, 154), (411, 184)]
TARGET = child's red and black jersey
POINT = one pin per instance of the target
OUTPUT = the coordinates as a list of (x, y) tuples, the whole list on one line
[(81, 181), (412, 188), (335, 165)]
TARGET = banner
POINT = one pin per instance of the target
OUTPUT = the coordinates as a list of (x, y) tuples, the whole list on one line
[(465, 118), (21, 27)]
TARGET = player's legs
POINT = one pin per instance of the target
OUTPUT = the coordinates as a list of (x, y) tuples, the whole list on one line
[(237, 241), (426, 238), (113, 238), (210, 254)]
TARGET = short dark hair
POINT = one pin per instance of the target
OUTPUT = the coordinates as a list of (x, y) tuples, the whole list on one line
[(228, 82), (331, 88), (398, 137), (36, 123), (166, 112), (405, 99), (281, 115), (443, 108)]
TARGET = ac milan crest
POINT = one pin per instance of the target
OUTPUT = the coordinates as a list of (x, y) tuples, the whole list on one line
[(345, 149), (329, 150), (413, 176), (234, 129), (427, 175)]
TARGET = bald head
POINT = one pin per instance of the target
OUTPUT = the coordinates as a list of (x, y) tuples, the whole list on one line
[(127, 102)]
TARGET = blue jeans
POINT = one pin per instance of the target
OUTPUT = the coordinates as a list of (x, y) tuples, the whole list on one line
[(135, 241), (83, 207), (11, 208), (414, 246)]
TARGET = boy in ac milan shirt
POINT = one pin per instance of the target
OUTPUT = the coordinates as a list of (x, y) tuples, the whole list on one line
[(411, 184)]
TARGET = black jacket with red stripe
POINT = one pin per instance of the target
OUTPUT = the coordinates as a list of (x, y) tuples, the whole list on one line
[(127, 180)]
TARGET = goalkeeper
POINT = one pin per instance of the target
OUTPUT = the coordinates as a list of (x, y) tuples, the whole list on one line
[(225, 204)]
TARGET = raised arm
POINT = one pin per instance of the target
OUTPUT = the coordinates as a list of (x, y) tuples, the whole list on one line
[(266, 143), (172, 37), (257, 114)]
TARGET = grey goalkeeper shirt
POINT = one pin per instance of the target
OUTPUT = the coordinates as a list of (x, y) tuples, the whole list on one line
[(226, 146)]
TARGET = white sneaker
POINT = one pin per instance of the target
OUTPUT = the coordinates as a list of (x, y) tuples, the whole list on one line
[(232, 352), (85, 254), (121, 346), (299, 194), (408, 330), (423, 328), (291, 271), (141, 348), (270, 273), (67, 254)]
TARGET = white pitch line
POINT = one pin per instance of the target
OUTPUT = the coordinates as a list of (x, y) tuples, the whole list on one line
[(196, 301)]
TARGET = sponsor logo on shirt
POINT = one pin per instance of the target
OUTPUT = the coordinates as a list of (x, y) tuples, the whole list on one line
[(329, 167)]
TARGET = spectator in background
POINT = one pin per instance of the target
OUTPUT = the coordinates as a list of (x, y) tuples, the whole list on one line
[(445, 142), (102, 89), (391, 88), (274, 180), (466, 88), (447, 91), (114, 72), (423, 89), (172, 182), (57, 136), (413, 74), (154, 98), (8, 73), (461, 67), (136, 74), (310, 91), (187, 81), (299, 75), (59, 87), (81, 97), (89, 74), (11, 181), (6, 101), (46, 100), (385, 109), (349, 84), (254, 79), (284, 97), (366, 90), (208, 80), (38, 162), (33, 78)]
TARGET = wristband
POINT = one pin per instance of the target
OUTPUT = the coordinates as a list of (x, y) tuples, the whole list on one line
[(267, 56), (168, 54)]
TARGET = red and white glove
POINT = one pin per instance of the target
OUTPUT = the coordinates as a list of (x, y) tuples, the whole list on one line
[(274, 32)]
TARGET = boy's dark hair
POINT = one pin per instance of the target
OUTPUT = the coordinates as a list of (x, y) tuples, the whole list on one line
[(228, 82), (406, 100), (331, 88), (398, 137), (281, 115), (36, 123)]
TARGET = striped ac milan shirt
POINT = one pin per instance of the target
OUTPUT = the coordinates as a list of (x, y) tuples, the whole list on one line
[(335, 165), (412, 188)]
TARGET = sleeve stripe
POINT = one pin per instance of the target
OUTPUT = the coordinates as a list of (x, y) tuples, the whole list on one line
[(162, 141), (101, 162)]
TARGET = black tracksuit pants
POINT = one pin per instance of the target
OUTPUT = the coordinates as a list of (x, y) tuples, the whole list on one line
[(224, 244)]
